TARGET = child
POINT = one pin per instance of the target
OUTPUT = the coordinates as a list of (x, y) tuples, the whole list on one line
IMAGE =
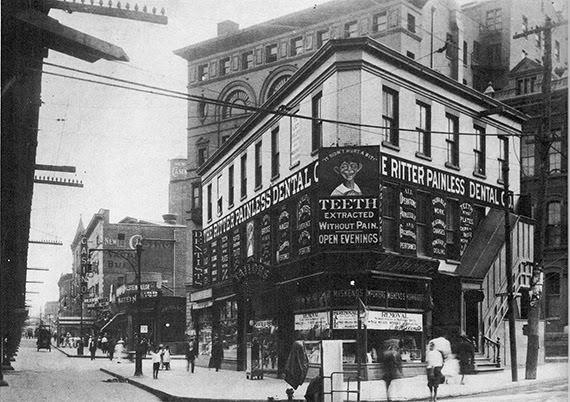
[(434, 360)]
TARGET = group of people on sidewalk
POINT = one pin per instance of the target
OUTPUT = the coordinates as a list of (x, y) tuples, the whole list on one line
[(442, 362), (161, 357)]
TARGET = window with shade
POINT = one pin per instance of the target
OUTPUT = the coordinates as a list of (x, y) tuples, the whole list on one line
[(317, 124), (322, 37), (452, 140), (423, 239), (258, 165), (452, 229), (480, 151), (423, 128), (553, 224), (503, 159), (243, 176), (209, 201), (389, 217), (231, 189), (390, 116), (275, 152), (527, 156), (555, 156)]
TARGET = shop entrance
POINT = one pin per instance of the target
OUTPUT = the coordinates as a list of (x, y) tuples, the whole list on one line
[(472, 298)]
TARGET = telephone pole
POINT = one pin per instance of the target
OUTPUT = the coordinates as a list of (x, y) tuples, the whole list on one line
[(543, 141)]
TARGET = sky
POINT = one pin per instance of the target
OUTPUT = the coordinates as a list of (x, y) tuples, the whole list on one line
[(119, 141)]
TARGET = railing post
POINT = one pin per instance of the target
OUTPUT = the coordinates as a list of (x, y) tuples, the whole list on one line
[(498, 352)]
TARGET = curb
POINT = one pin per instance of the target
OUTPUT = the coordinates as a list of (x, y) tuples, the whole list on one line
[(173, 398)]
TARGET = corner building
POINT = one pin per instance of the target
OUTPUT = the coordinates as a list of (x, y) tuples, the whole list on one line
[(378, 186)]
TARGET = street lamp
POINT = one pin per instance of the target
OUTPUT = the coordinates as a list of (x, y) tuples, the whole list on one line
[(137, 247)]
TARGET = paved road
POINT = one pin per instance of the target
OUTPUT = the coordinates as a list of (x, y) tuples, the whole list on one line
[(51, 376), (551, 392)]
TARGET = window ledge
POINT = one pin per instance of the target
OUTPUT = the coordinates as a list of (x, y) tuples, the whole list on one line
[(453, 262), (258, 187), (243, 197), (480, 175), (501, 182), (294, 165), (275, 177), (423, 156), (390, 145), (313, 153), (452, 166)]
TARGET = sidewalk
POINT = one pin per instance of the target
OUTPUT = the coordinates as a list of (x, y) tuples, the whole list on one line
[(207, 385)]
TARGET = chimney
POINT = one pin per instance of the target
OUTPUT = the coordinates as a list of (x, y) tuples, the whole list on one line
[(170, 218), (227, 27)]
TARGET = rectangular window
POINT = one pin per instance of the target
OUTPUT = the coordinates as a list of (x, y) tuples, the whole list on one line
[(219, 201), (555, 157), (424, 128), (196, 196), (527, 157), (275, 152), (411, 23), (390, 116), (380, 22), (465, 53), (480, 152), (296, 46), (322, 37), (247, 60), (231, 186), (494, 20), (452, 229), (394, 18), (271, 53), (202, 72), (448, 45), (423, 223), (225, 66), (476, 52), (538, 38), (202, 155), (553, 225), (556, 51), (389, 217), (410, 55), (351, 29), (243, 173), (209, 200), (503, 159), (258, 165), (495, 54), (317, 125), (452, 140)]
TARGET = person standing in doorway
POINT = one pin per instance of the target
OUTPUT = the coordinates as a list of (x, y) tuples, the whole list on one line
[(217, 354)]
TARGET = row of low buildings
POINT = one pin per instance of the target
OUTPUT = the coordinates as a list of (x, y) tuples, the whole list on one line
[(351, 153)]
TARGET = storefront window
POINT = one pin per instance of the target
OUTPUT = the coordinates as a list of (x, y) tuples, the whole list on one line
[(228, 328)]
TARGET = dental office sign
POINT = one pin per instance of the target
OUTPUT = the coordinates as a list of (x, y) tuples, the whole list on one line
[(463, 187)]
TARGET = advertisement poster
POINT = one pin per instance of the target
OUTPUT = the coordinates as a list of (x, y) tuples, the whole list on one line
[(206, 258), (438, 227), (349, 198), (304, 226), (396, 321), (284, 235), (197, 250), (250, 238), (265, 239), (465, 225), (236, 248), (308, 321), (224, 258), (214, 260), (345, 319), (408, 220)]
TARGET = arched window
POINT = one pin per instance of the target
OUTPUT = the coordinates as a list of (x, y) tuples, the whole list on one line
[(237, 97), (278, 83)]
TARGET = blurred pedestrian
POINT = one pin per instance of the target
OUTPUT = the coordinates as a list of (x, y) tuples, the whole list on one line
[(466, 357), (166, 357), (92, 346), (391, 363), (119, 349), (434, 364), (217, 354), (155, 356), (104, 344), (111, 347), (191, 353)]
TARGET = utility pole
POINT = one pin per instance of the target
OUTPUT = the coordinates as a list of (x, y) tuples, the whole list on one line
[(509, 268), (543, 142)]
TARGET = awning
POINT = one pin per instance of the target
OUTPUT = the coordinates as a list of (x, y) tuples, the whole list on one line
[(221, 298), (110, 321)]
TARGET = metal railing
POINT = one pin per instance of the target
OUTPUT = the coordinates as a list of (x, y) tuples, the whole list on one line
[(353, 377), (489, 346)]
